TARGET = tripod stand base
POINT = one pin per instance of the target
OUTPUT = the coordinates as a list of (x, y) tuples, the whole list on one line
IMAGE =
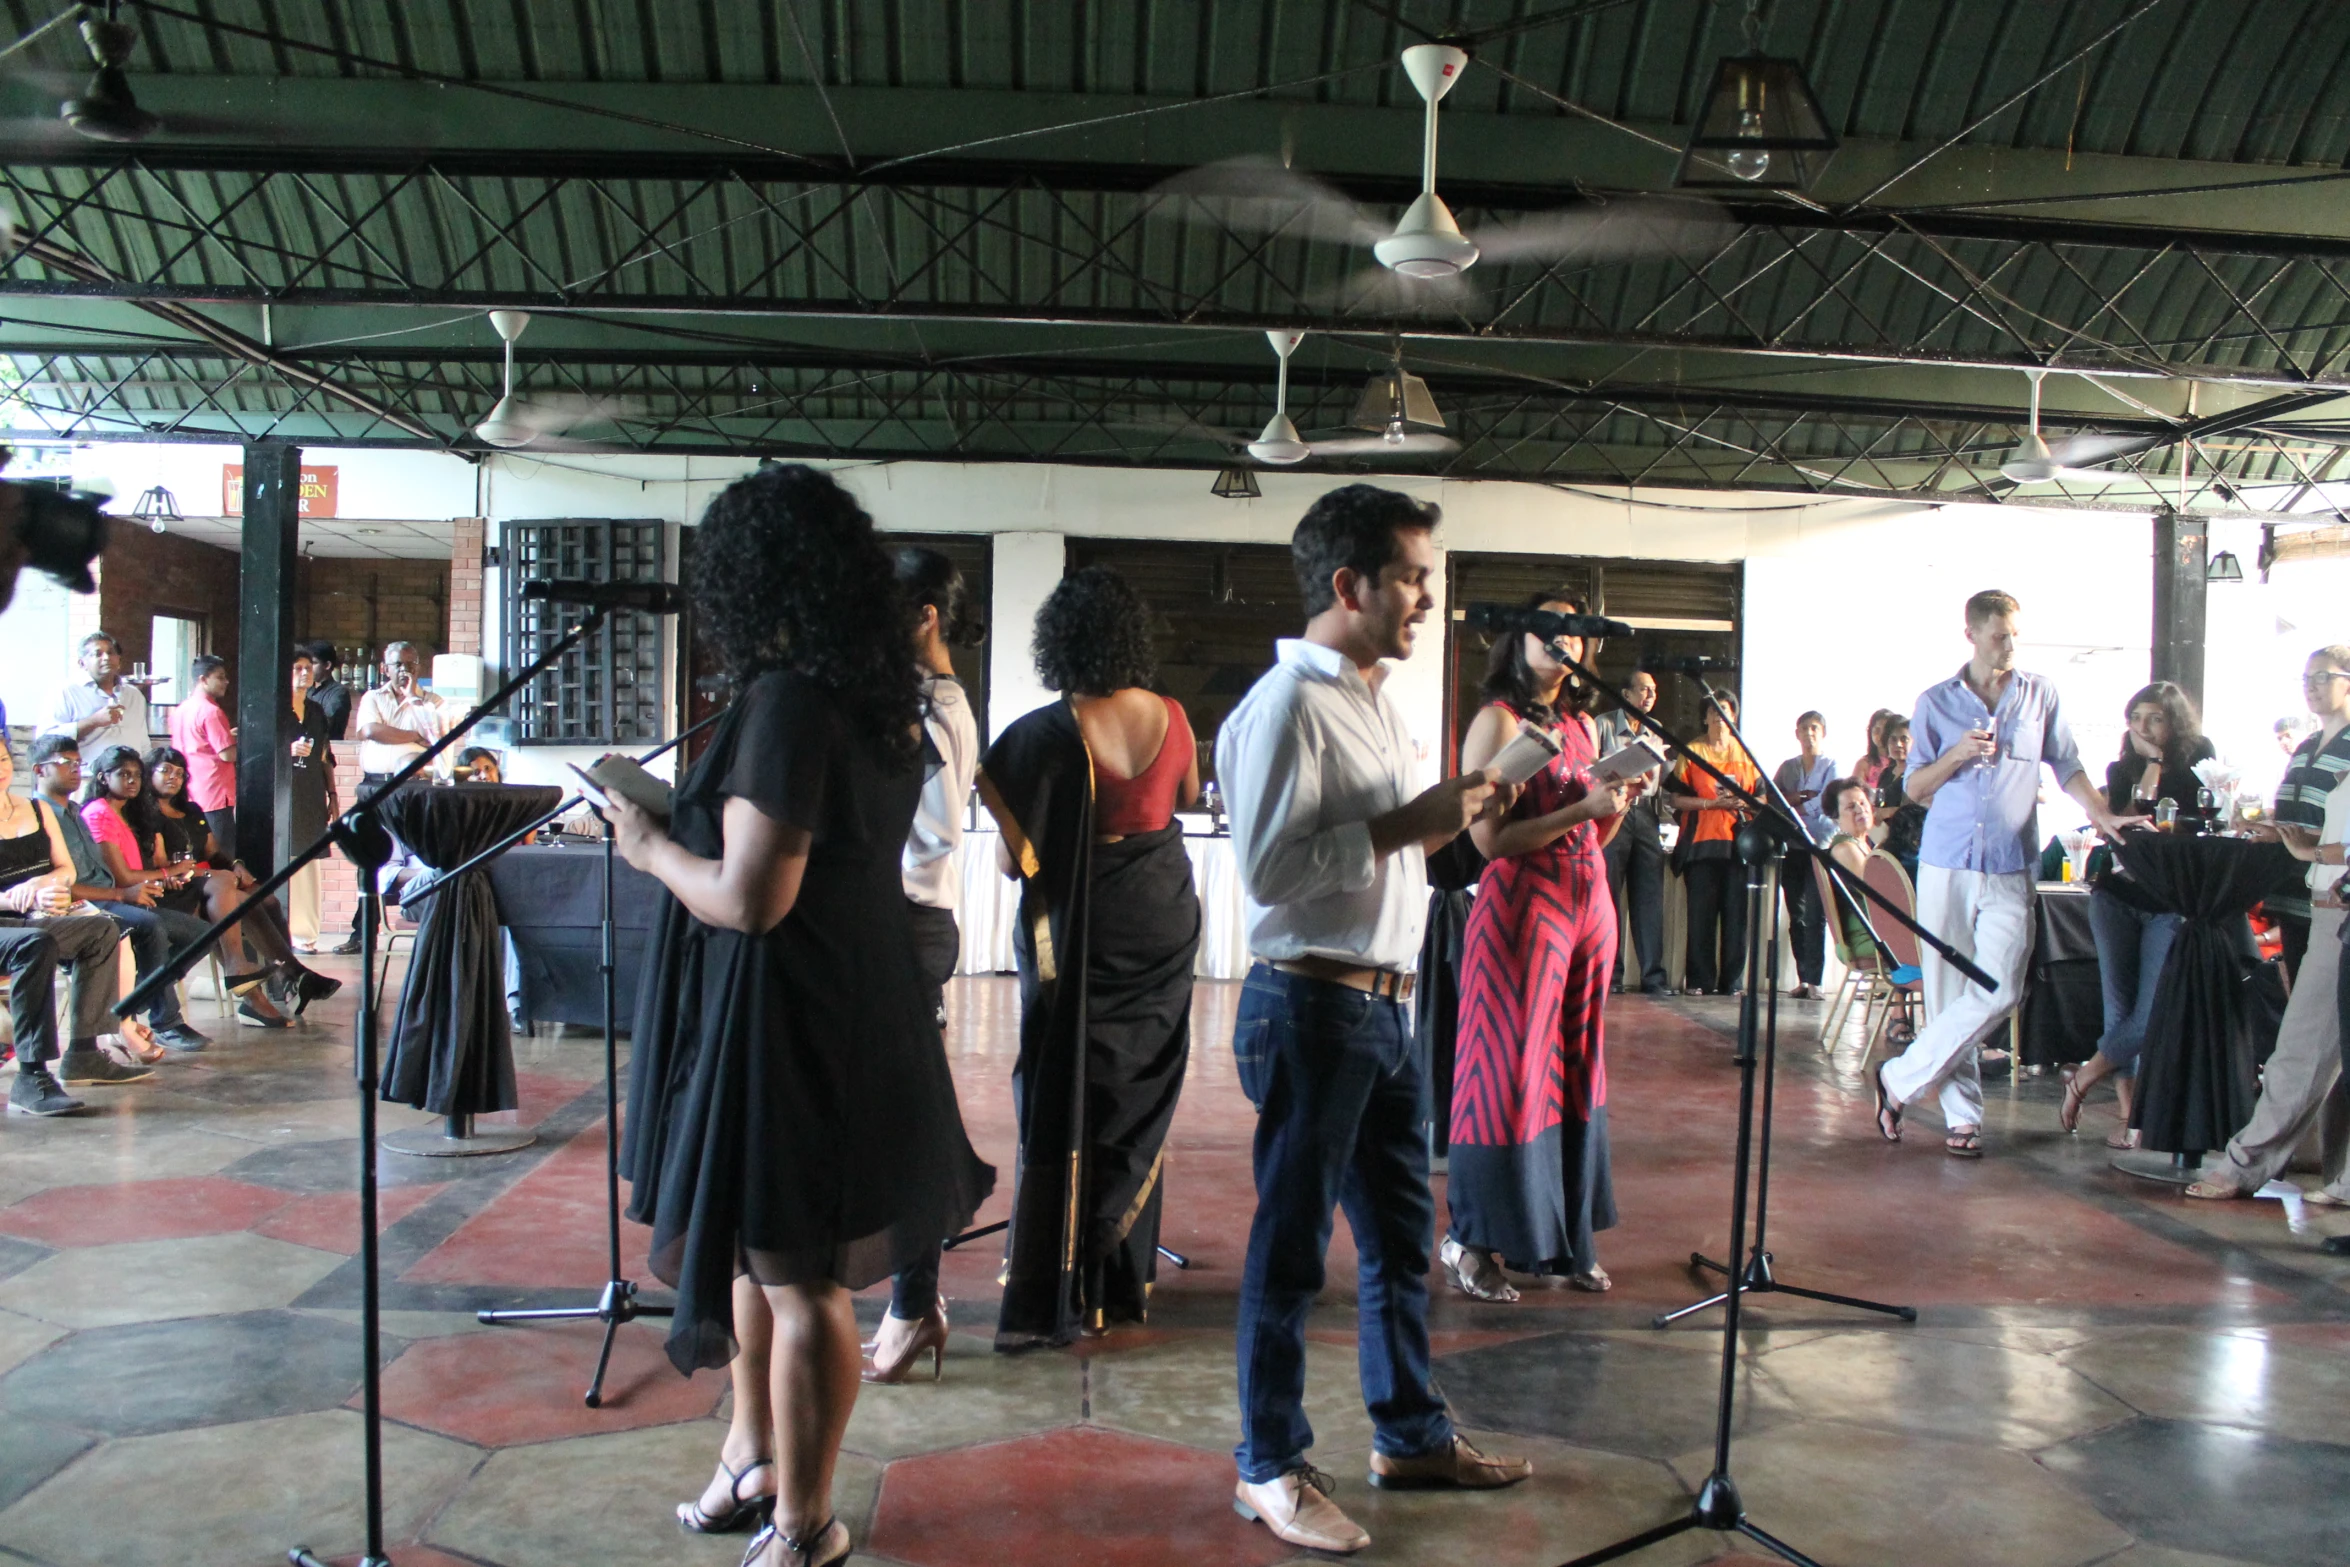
[(433, 1142), (618, 1304), (1761, 1281), (303, 1556), (1718, 1507), (2171, 1169)]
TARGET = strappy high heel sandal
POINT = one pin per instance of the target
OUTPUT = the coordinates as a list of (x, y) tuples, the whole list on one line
[(930, 1338), (1475, 1273), (742, 1511), (2068, 1114), (800, 1550)]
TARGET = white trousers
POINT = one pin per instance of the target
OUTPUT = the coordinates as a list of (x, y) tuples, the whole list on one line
[(2302, 1082), (302, 902), (1988, 918)]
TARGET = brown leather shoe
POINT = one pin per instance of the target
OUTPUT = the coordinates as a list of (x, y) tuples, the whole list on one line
[(1297, 1508), (1458, 1467)]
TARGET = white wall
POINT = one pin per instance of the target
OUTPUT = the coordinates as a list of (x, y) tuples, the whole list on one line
[(39, 659), (1024, 568)]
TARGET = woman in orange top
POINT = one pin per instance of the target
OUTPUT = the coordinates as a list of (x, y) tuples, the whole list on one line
[(1710, 874)]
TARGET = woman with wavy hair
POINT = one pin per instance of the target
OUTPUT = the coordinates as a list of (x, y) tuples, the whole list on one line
[(1086, 792), (1529, 1182), (793, 1131)]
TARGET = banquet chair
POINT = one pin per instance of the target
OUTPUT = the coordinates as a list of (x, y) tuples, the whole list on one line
[(1864, 983), (1906, 983)]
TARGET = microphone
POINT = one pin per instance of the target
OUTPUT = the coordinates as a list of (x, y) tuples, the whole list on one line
[(1544, 623), (1685, 664), (651, 598)]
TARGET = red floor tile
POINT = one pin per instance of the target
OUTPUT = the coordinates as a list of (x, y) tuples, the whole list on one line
[(505, 1386), (330, 1220), (1077, 1497), (140, 1211), (547, 1230)]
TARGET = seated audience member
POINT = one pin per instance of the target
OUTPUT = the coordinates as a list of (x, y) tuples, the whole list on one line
[(39, 931), (1846, 803), (163, 817), (153, 934), (2164, 742), (479, 764)]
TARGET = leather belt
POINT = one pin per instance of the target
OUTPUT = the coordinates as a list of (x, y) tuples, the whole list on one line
[(1378, 981)]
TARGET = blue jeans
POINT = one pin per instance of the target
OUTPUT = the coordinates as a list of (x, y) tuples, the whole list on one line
[(154, 934), (2131, 947), (1340, 1094)]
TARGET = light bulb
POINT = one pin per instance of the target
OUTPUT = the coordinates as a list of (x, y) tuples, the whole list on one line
[(157, 524), (1750, 163), (1394, 433)]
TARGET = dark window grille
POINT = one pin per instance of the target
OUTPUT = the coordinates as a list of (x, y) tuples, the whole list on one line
[(607, 690)]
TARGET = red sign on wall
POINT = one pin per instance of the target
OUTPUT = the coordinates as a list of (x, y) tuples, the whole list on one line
[(318, 491)]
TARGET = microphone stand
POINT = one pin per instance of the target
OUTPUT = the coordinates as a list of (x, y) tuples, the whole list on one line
[(1718, 1505), (361, 835), (1759, 1279), (618, 1303)]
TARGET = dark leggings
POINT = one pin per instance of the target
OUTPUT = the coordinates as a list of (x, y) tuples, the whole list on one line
[(913, 1291)]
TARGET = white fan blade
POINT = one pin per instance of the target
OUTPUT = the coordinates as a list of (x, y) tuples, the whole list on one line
[(553, 413), (2083, 451), (1417, 444), (1261, 196), (1625, 228)]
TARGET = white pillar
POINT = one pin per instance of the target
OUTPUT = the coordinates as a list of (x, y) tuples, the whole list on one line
[(1027, 567)]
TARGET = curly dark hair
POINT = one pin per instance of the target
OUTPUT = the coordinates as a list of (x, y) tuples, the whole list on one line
[(1353, 526), (1509, 678), (1093, 636), (788, 573)]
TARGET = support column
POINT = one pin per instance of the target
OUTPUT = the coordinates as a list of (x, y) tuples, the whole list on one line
[(2181, 549), (1026, 568), (270, 551)]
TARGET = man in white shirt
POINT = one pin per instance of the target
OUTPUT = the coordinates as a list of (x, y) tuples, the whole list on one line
[(1331, 844), (397, 719), (105, 709)]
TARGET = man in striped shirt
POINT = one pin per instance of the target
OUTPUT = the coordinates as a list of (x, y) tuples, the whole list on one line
[(2302, 1083)]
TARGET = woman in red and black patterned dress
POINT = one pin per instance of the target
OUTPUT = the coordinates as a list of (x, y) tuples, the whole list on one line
[(1528, 1180)]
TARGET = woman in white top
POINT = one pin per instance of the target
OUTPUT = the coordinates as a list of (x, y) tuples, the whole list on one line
[(916, 1322)]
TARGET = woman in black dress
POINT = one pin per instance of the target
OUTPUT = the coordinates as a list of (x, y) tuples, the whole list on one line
[(792, 1133)]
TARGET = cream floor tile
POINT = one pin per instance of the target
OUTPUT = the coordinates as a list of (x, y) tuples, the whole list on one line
[(148, 1281)]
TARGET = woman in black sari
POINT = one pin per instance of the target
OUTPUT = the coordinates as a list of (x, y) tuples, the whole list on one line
[(1085, 792), (793, 1134)]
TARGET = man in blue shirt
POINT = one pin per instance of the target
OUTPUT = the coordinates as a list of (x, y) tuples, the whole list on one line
[(1977, 744), (1802, 778)]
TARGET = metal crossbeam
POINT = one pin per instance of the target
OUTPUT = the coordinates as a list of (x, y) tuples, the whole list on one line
[(1875, 288)]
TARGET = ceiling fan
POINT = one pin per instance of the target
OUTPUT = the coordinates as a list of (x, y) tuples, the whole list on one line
[(1280, 444), (540, 423), (1428, 245), (103, 108), (2074, 458)]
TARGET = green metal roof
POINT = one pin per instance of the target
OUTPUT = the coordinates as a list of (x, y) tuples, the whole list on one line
[(929, 229)]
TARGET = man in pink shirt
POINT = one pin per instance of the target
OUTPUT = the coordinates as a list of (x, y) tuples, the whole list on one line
[(201, 730)]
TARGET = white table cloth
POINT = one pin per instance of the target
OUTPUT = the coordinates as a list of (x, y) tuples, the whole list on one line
[(990, 908)]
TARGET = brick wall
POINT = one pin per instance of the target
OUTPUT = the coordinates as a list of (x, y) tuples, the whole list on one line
[(143, 572), (465, 585), (362, 604)]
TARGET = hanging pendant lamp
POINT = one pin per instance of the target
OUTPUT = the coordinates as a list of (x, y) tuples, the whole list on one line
[(1760, 127)]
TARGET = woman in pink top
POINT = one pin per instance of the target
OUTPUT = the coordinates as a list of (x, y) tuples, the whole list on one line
[(111, 803)]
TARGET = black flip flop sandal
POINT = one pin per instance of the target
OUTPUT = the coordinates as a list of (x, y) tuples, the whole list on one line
[(1888, 1113)]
